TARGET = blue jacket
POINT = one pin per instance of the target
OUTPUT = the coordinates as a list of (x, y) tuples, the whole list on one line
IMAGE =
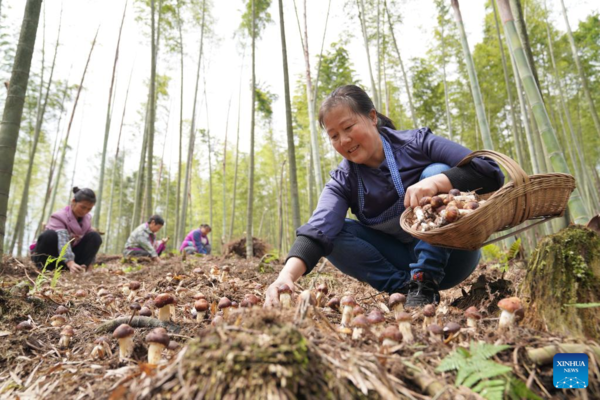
[(414, 150)]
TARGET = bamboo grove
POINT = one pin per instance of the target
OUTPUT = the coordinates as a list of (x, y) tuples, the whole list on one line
[(527, 89)]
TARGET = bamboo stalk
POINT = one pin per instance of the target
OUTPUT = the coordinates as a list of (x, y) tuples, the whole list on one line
[(532, 91)]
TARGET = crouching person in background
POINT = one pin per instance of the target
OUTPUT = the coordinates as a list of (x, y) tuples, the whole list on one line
[(142, 241), (197, 241), (70, 227)]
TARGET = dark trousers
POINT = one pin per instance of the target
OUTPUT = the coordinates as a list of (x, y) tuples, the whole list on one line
[(47, 246)]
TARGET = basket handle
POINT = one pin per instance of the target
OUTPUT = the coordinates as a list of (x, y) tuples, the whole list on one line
[(516, 174)]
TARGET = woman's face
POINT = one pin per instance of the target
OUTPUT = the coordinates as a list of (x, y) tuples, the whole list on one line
[(354, 136), (81, 208)]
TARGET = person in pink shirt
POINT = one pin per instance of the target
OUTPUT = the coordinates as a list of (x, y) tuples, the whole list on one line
[(70, 227), (197, 241)]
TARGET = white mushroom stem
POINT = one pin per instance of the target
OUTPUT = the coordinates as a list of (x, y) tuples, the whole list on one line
[(125, 347), (506, 319), (64, 341), (471, 322), (285, 299), (419, 213), (155, 353), (132, 294), (389, 343), (428, 321), (100, 350), (406, 331), (164, 313), (125, 290), (357, 333), (398, 308), (199, 316), (224, 277), (225, 312), (346, 315), (319, 298)]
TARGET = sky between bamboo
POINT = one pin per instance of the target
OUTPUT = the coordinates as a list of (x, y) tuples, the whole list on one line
[(81, 18)]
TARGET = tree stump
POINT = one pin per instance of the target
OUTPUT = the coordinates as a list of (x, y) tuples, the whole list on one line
[(564, 269)]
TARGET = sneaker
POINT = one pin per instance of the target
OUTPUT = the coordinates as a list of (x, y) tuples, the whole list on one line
[(422, 290)]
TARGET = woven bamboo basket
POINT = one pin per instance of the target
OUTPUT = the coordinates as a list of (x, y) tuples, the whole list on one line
[(523, 198)]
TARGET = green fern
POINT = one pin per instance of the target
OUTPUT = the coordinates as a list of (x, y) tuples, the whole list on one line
[(493, 253), (476, 371)]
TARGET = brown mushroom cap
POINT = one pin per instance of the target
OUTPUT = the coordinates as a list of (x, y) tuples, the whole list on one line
[(135, 306), (199, 296), (217, 320), (397, 298), (472, 313), (67, 330), (429, 310), (145, 312), (173, 345), (333, 303), (323, 288), (348, 301), (252, 299), (471, 205), (134, 285), (80, 293), (454, 192), (163, 299), (284, 288), (224, 303), (435, 329), (360, 321), (60, 310), (375, 317), (357, 310), (101, 339), (201, 305), (510, 304), (225, 268), (158, 335), (24, 326), (103, 292), (403, 317), (392, 333), (58, 317), (451, 327), (123, 331)]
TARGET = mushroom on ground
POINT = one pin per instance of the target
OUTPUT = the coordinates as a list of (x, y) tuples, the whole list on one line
[(124, 335), (396, 303), (145, 312), (201, 306), (451, 331), (24, 326), (359, 323), (65, 336), (80, 293), (252, 299), (285, 295), (333, 304), (390, 336), (163, 302), (377, 321), (135, 308), (322, 291), (428, 315), (61, 310), (472, 316), (134, 286), (348, 304), (157, 339), (58, 320), (101, 348), (217, 321), (404, 319), (508, 307), (224, 274), (436, 332), (224, 305)]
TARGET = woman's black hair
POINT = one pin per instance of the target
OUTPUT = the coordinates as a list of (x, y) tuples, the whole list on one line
[(158, 220), (359, 102), (84, 194), (205, 226)]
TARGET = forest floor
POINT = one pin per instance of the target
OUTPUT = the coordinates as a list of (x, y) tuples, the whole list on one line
[(257, 353)]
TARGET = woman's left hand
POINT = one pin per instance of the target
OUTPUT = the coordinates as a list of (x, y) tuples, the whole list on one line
[(426, 187)]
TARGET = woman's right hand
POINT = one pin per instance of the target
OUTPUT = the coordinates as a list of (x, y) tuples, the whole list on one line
[(74, 267), (291, 272), (272, 293)]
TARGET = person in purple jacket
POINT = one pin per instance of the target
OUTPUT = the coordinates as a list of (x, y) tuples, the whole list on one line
[(74, 222), (383, 172), (197, 241)]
